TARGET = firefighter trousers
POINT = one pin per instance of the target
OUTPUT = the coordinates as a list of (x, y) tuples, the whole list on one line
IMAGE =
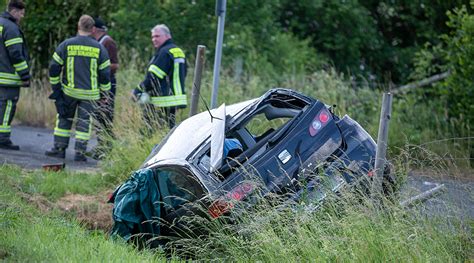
[(7, 112), (62, 131)]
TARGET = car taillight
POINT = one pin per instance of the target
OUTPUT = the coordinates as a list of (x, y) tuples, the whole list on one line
[(321, 119), (224, 204)]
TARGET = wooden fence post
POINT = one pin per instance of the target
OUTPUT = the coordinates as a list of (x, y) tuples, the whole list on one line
[(382, 140), (200, 58)]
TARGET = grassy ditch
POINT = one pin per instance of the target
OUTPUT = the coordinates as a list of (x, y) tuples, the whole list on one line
[(353, 230), (54, 185), (348, 228), (81, 196), (29, 233)]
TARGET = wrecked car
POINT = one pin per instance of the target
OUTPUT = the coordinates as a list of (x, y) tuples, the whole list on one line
[(216, 157)]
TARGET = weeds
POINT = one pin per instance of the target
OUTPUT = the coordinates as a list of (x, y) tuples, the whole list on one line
[(53, 185), (34, 108), (347, 228)]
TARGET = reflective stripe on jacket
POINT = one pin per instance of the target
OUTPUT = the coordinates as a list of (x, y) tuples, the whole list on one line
[(14, 57), (85, 68)]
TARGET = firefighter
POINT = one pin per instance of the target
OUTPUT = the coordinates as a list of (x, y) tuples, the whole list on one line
[(164, 80), (14, 70), (85, 79)]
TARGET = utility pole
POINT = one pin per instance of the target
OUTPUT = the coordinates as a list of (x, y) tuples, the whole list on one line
[(220, 12)]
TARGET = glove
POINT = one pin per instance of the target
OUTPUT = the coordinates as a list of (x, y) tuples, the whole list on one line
[(25, 81), (136, 94)]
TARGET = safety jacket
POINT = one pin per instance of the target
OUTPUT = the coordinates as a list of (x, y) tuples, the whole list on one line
[(85, 68), (13, 53), (168, 67)]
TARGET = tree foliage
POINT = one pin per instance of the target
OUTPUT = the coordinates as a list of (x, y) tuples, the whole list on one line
[(343, 30), (367, 37), (48, 22), (453, 53), (459, 55), (370, 39)]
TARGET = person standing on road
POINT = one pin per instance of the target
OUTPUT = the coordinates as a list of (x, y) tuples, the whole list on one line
[(105, 113), (164, 80), (14, 69), (85, 68)]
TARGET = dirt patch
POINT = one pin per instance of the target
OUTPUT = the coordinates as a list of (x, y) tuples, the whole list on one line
[(91, 210)]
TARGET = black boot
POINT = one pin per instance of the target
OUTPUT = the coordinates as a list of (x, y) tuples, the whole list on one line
[(9, 146), (80, 157), (56, 152)]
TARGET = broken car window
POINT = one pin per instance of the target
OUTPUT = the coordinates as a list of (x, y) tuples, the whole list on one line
[(177, 187)]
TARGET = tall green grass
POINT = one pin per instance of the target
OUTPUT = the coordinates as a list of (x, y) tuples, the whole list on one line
[(347, 229), (28, 235), (54, 185)]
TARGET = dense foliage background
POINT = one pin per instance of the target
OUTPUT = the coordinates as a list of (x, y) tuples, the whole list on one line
[(374, 42), (369, 39)]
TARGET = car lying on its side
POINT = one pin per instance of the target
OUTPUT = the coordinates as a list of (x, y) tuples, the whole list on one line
[(214, 158)]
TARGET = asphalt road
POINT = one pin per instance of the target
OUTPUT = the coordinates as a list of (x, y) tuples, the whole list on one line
[(456, 202), (34, 142)]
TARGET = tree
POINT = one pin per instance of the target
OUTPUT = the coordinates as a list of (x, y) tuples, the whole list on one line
[(45, 27), (459, 55)]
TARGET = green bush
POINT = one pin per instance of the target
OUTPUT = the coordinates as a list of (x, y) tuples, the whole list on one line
[(45, 26), (454, 54), (459, 87)]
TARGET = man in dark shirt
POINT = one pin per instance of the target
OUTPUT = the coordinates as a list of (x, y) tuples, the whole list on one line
[(14, 69), (105, 112)]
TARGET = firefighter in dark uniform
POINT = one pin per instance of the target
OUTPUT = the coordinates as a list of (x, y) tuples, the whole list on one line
[(85, 67), (164, 80), (14, 70)]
